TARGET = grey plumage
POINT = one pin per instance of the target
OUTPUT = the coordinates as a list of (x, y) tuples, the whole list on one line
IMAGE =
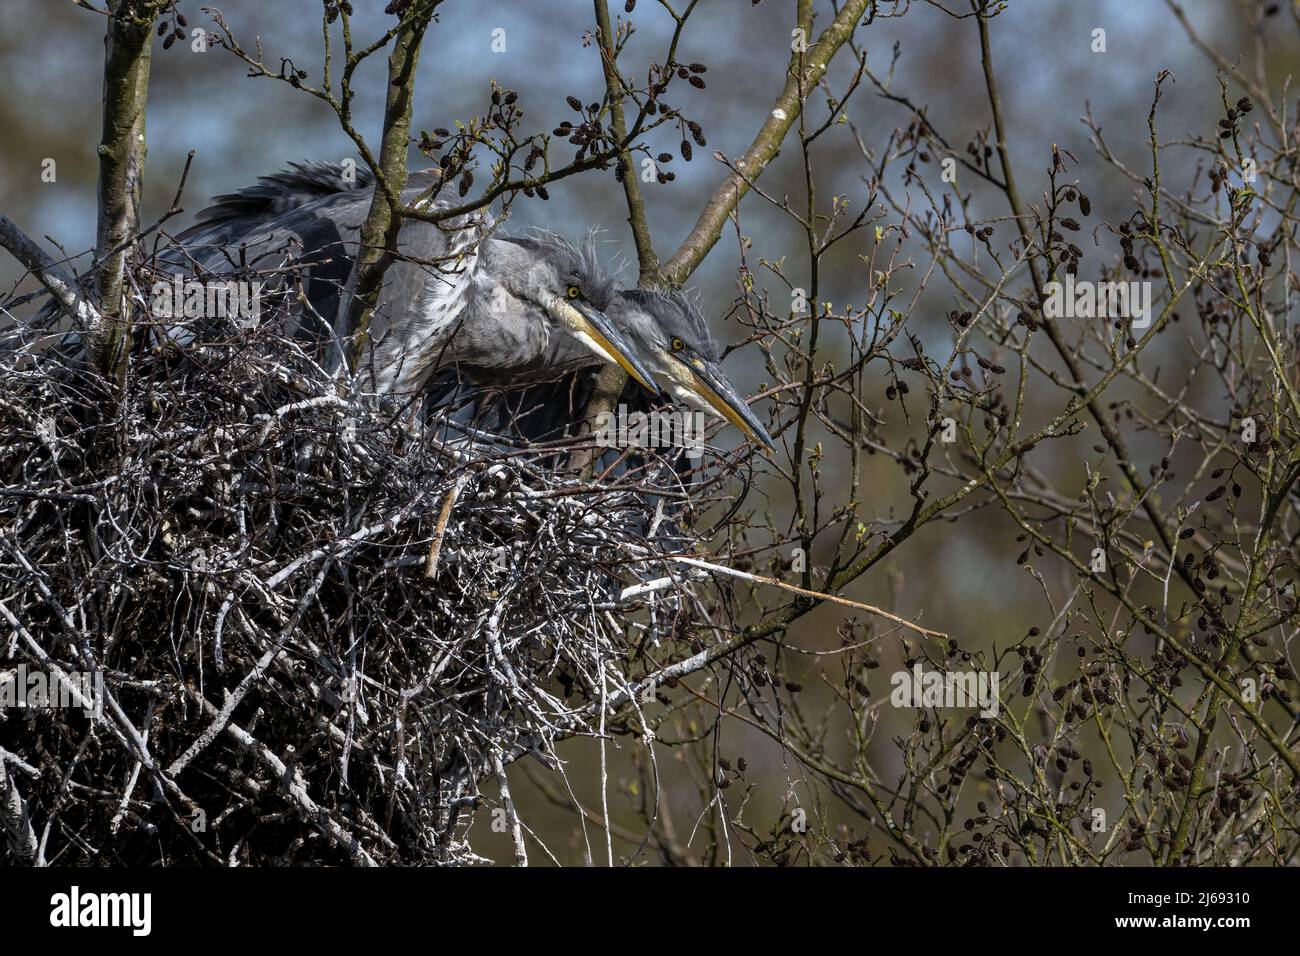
[(477, 304), (246, 209), (489, 318), (654, 317), (672, 335), (457, 294)]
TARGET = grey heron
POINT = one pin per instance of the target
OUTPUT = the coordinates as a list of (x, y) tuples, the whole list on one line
[(672, 335), (318, 208), (456, 295)]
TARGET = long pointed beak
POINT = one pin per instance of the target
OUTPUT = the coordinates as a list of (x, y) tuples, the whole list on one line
[(714, 388), (593, 329)]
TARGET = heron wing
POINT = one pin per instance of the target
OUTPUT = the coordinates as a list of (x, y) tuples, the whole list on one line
[(301, 229), (425, 294)]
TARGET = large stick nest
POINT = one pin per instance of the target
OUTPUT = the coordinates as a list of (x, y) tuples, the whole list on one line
[(318, 623)]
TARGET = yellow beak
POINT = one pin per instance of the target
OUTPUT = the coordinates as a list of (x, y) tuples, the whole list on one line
[(593, 329)]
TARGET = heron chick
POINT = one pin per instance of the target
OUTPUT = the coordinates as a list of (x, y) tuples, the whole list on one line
[(456, 294), (672, 335)]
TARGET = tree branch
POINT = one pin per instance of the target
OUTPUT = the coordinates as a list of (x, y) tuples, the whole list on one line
[(128, 47), (765, 147), (59, 284), (383, 223)]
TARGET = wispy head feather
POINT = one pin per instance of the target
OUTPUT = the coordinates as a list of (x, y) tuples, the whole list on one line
[(582, 262), (677, 313), (285, 190)]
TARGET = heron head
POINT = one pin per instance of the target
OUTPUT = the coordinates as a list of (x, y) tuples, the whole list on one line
[(571, 288), (673, 335)]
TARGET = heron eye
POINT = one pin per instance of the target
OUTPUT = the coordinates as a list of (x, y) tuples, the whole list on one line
[(574, 292), (678, 345)]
